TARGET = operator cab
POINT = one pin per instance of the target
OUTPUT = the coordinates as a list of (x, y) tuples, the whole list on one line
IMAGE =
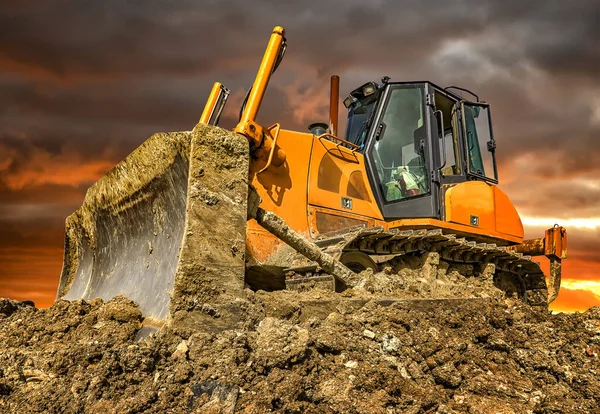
[(418, 138)]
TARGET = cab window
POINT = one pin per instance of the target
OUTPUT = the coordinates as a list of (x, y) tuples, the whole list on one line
[(445, 117), (399, 150), (479, 140), (359, 115)]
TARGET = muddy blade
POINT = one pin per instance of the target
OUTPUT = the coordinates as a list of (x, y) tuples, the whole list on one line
[(161, 220)]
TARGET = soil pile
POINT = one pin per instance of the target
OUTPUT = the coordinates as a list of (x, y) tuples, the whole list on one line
[(304, 352)]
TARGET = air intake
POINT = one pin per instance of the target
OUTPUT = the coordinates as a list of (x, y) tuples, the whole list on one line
[(318, 128)]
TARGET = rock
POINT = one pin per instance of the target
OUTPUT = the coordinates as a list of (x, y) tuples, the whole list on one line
[(389, 343), (447, 375), (369, 334), (121, 310), (8, 306), (280, 343), (222, 398), (181, 352)]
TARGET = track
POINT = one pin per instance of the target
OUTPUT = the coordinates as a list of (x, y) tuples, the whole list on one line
[(512, 272)]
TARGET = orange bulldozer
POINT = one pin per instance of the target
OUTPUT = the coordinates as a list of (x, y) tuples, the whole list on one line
[(191, 219)]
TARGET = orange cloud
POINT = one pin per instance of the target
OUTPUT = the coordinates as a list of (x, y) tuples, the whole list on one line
[(580, 285), (42, 167), (307, 103), (580, 269), (30, 274), (572, 300)]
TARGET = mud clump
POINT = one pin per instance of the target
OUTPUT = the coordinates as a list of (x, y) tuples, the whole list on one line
[(8, 307), (429, 277), (303, 352)]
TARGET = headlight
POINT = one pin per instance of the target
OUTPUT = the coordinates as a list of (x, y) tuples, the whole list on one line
[(369, 89), (348, 101)]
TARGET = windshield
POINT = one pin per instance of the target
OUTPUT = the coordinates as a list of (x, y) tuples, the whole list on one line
[(480, 144), (399, 153), (359, 114)]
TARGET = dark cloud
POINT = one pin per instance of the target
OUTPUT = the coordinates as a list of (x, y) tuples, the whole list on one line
[(561, 37), (113, 38), (584, 243), (46, 193), (116, 38), (562, 199), (31, 232)]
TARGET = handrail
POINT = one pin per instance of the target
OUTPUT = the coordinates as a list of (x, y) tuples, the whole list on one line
[(354, 147)]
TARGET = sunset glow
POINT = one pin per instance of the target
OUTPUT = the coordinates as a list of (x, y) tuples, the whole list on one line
[(580, 223)]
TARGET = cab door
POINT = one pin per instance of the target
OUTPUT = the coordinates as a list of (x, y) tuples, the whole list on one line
[(400, 154), (479, 141)]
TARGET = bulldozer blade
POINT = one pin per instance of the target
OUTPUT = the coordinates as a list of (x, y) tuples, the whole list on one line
[(166, 227)]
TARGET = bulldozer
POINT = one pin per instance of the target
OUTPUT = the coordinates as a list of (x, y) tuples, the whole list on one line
[(189, 220)]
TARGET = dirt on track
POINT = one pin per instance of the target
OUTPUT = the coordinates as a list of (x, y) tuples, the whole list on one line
[(304, 352)]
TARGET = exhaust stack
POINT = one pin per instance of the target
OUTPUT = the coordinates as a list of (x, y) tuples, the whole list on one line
[(334, 97)]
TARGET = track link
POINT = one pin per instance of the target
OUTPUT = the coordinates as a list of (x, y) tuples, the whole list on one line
[(513, 272)]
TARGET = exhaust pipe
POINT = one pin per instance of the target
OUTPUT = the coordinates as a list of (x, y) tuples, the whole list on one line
[(334, 97)]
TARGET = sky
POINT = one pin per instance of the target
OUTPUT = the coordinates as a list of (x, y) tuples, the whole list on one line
[(84, 82)]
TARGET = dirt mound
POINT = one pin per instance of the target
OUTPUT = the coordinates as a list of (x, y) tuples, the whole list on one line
[(303, 352), (428, 276)]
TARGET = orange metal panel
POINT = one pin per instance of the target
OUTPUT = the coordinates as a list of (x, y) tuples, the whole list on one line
[(555, 242), (472, 198), (494, 213), (333, 171), (260, 243), (507, 217), (336, 172), (324, 220), (283, 189)]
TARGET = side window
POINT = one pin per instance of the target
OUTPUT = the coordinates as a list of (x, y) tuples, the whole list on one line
[(398, 154), (448, 144), (479, 140), (450, 167), (358, 116)]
